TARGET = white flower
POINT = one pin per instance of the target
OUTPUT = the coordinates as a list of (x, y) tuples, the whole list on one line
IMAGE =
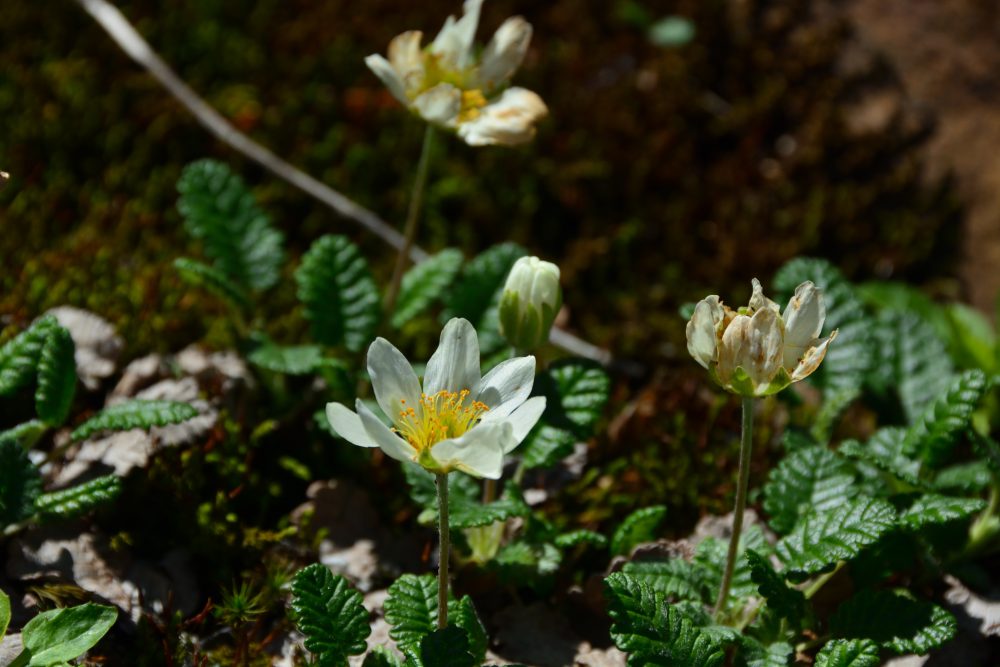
[(458, 420), (530, 301), (446, 85), (759, 351)]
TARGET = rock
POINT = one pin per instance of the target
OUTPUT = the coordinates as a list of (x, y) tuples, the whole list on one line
[(98, 346), (137, 375), (10, 647)]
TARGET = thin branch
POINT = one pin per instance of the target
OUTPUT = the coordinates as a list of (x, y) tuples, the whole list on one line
[(137, 48)]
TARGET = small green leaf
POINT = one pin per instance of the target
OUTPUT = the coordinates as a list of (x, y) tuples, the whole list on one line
[(380, 656), (895, 621), (913, 360), (20, 483), (476, 294), (471, 514), (524, 561), (220, 211), (80, 499), (885, 451), (712, 554), (580, 390), (811, 478), (411, 608), (214, 280), (288, 359), (638, 527), (341, 299), (821, 539), (462, 614), (60, 635), (577, 537), (4, 614), (788, 603), (135, 414), (932, 509), (330, 614), (56, 377), (755, 654), (835, 402), (848, 653), (966, 478), (26, 434), (653, 632), (447, 647), (426, 283), (19, 356), (934, 435), (675, 578), (546, 445)]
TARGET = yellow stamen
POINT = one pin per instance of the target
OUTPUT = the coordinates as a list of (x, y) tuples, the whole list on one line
[(441, 416), (472, 102)]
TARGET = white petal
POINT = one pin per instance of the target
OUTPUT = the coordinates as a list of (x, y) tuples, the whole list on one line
[(454, 366), (348, 425), (407, 58), (440, 104), (733, 347), (764, 354), (508, 121), (395, 384), (812, 359), (702, 338), (804, 317), (524, 419), (454, 43), (390, 443), (506, 386), (505, 53), (390, 77), (479, 452), (758, 300)]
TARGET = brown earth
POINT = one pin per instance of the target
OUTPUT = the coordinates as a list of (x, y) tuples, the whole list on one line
[(947, 55)]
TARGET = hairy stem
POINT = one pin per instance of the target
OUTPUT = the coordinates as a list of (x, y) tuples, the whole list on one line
[(412, 218), (746, 445), (444, 555)]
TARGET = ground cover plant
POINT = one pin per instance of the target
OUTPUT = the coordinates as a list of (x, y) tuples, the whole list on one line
[(410, 466)]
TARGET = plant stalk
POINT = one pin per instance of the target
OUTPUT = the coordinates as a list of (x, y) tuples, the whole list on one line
[(746, 447), (444, 555), (412, 218)]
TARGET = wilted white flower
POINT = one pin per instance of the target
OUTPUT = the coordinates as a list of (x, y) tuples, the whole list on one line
[(458, 420), (759, 351), (530, 301), (448, 86)]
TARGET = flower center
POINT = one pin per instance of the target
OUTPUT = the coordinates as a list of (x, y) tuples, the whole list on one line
[(441, 416), (472, 102)]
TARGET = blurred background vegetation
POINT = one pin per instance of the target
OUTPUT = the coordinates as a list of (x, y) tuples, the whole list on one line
[(680, 159)]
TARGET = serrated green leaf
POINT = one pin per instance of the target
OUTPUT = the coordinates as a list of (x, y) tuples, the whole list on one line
[(220, 211), (330, 614), (80, 499), (20, 483), (711, 555), (471, 514), (640, 526), (915, 360), (341, 299), (932, 509), (675, 578), (851, 358), (835, 402), (411, 608), (652, 632), (577, 537), (380, 656), (4, 614), (19, 356), (56, 377), (821, 539), (811, 478), (523, 561), (465, 508), (26, 434), (288, 359), (754, 654), (213, 280), (895, 621), (476, 294), (57, 636), (933, 436), (135, 414), (546, 445), (447, 647), (581, 391), (426, 283), (788, 603), (848, 653), (967, 478), (885, 450), (462, 614)]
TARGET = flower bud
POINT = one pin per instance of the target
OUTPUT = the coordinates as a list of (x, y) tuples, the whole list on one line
[(531, 299)]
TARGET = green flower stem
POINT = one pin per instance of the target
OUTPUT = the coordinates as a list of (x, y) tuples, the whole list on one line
[(445, 553), (746, 446), (986, 527), (412, 218)]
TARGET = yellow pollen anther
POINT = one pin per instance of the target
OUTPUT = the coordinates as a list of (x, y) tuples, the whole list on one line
[(443, 415)]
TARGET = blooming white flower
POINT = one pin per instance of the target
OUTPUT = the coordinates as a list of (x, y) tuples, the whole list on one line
[(531, 299), (458, 420), (759, 351), (446, 85)]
